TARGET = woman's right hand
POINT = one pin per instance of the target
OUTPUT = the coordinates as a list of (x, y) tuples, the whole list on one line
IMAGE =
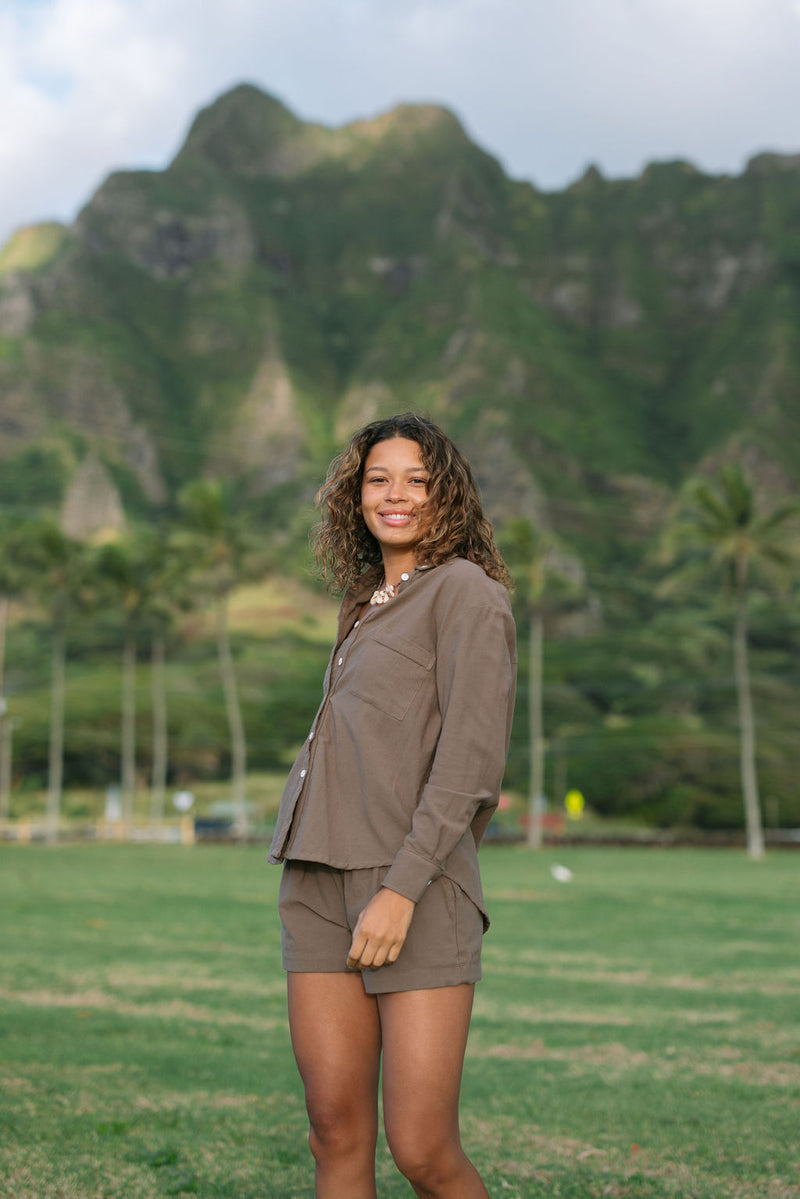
[(380, 931)]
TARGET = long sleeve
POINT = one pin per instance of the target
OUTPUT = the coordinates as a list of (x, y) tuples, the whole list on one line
[(475, 683)]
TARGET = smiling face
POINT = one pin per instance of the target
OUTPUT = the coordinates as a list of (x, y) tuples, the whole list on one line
[(394, 489)]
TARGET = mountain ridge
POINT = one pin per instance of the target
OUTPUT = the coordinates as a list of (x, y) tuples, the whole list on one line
[(617, 328)]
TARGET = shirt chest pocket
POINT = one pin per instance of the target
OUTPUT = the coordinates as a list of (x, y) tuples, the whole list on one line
[(389, 672)]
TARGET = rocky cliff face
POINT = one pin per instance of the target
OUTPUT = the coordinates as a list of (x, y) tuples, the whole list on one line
[(241, 311), (92, 506)]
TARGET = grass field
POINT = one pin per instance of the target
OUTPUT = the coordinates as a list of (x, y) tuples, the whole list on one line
[(637, 1032)]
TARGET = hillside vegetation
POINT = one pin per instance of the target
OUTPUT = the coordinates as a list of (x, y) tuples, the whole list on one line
[(236, 315)]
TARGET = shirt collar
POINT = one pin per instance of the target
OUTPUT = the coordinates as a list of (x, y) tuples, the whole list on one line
[(362, 590)]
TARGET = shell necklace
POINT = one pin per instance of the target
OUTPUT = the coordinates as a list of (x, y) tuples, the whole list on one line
[(383, 594)]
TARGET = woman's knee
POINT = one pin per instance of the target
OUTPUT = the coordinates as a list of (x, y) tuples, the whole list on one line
[(426, 1162), (341, 1130)]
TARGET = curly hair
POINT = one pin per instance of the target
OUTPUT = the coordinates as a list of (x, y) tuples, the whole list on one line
[(345, 547)]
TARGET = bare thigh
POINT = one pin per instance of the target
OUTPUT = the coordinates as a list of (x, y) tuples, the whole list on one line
[(336, 1037), (424, 1041)]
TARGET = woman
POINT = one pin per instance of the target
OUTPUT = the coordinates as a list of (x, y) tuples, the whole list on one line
[(381, 902)]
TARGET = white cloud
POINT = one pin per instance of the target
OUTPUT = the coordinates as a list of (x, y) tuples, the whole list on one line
[(87, 86), (85, 82)]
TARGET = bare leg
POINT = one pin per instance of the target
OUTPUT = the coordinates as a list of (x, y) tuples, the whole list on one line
[(424, 1040), (336, 1039)]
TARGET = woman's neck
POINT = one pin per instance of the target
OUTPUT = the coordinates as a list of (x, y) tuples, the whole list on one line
[(396, 565)]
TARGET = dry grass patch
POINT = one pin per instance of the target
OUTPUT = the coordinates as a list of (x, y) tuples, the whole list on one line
[(523, 1013), (87, 1002), (723, 1062), (587, 968), (127, 978)]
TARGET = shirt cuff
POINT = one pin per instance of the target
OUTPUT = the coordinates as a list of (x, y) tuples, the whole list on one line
[(410, 874)]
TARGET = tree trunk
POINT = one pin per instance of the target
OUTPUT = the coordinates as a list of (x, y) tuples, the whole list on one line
[(747, 734), (128, 779), (159, 698), (3, 625), (5, 720), (55, 769), (536, 736), (561, 761), (234, 713), (6, 732)]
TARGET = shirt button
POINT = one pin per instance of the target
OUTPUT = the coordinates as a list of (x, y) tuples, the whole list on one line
[(340, 661), (358, 622), (311, 736), (303, 774), (404, 578)]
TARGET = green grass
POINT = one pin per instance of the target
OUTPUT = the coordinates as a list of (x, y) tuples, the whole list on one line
[(636, 1034)]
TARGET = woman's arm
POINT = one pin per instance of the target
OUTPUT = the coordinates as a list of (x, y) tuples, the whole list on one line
[(475, 681)]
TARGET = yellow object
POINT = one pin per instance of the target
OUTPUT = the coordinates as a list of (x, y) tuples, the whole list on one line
[(574, 803)]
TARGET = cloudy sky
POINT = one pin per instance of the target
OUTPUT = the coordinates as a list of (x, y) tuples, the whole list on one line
[(87, 86)]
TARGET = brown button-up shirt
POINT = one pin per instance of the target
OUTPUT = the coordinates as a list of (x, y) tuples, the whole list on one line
[(404, 760)]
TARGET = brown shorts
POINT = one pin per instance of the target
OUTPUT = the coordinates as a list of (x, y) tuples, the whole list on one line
[(319, 907)]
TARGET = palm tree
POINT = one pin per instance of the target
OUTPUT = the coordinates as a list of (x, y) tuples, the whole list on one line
[(10, 585), (720, 530), (168, 590), (119, 575), (144, 579), (54, 566), (5, 720), (543, 574), (114, 570), (158, 699), (224, 555)]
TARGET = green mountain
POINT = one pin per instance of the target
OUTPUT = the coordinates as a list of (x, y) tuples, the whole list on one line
[(280, 281), (238, 313)]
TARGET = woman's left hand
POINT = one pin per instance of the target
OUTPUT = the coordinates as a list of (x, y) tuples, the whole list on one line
[(380, 931)]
